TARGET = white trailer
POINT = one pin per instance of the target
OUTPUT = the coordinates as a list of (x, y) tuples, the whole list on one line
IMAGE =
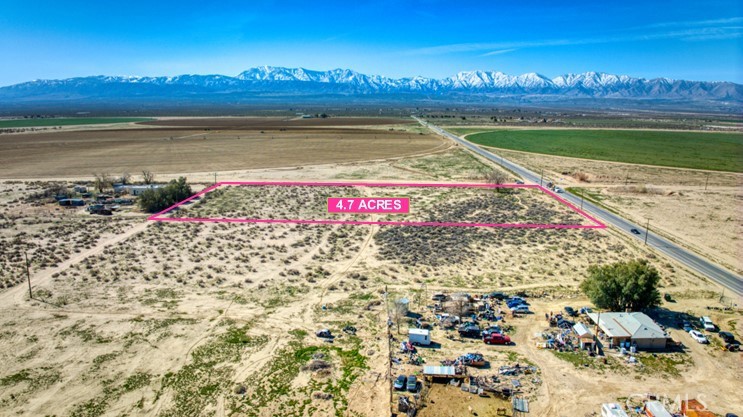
[(419, 337)]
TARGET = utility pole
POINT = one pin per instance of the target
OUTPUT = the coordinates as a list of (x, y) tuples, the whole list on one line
[(647, 229), (424, 291), (215, 178), (28, 276), (706, 181), (387, 303)]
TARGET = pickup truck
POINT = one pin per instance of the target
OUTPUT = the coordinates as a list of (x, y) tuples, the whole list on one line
[(496, 339)]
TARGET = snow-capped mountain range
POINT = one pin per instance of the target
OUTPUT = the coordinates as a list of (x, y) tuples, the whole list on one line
[(276, 82)]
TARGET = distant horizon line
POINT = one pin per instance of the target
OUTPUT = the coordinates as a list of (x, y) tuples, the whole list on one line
[(372, 75)]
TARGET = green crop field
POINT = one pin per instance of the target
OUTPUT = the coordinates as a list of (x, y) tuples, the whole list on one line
[(698, 150), (67, 121)]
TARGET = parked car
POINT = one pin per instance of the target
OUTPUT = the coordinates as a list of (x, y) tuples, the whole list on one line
[(324, 333), (586, 310), (564, 324), (497, 295), (698, 336), (727, 337), (399, 383), (412, 384), (496, 339), (439, 297), (687, 326), (521, 309), (708, 324), (571, 311), (734, 346), (635, 231), (516, 302), (469, 330), (491, 329)]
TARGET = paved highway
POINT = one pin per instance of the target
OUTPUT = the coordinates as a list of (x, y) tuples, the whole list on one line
[(693, 261)]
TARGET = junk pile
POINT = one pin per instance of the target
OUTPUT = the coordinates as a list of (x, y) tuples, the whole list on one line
[(510, 380), (404, 405), (447, 321), (468, 359), (411, 352), (559, 321), (489, 311), (563, 340), (517, 369), (491, 384)]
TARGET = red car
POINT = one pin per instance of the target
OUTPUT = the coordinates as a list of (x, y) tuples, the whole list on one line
[(496, 339)]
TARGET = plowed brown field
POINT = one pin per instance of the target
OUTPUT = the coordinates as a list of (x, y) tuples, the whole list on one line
[(182, 150)]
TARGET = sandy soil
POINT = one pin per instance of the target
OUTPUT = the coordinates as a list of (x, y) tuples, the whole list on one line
[(217, 319)]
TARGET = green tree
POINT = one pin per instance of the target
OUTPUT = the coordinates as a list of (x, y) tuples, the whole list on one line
[(158, 199), (623, 286)]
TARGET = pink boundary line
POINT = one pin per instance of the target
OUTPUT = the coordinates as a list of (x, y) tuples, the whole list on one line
[(597, 224)]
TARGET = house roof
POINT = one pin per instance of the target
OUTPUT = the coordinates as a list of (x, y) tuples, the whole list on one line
[(582, 331), (628, 325), (439, 370)]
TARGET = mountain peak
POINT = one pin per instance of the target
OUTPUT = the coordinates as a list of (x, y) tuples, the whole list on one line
[(301, 81)]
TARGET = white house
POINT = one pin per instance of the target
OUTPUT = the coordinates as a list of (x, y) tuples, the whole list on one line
[(636, 328)]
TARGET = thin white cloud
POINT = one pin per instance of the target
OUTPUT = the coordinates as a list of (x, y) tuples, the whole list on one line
[(499, 52), (698, 32), (693, 23)]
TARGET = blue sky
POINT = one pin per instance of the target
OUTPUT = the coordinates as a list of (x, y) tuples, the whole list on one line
[(688, 39)]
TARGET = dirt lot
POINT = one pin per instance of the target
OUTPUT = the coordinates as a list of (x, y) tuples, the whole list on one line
[(159, 319), (430, 204), (166, 151)]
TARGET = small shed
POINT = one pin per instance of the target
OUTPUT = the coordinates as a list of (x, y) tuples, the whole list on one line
[(656, 409), (420, 337), (585, 336)]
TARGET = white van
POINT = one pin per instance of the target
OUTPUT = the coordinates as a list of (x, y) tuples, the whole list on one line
[(707, 324)]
